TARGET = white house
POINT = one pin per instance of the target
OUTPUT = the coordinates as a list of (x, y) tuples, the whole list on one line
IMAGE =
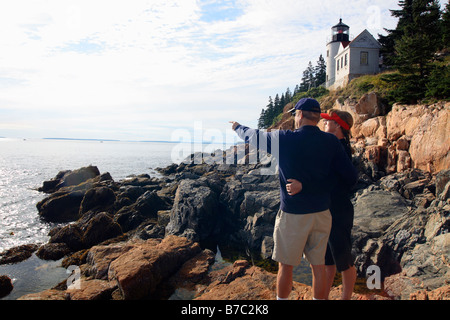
[(347, 59)]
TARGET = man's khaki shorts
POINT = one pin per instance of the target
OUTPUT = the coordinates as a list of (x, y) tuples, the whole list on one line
[(298, 234)]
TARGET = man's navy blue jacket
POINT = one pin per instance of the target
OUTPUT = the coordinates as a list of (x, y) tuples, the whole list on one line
[(309, 155)]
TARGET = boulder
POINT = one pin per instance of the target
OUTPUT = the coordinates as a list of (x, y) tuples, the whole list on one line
[(240, 281), (428, 130), (61, 206), (195, 213), (142, 268), (442, 184), (71, 235), (442, 293), (145, 207), (90, 230), (17, 254), (92, 289), (376, 209), (100, 228), (100, 257), (6, 286), (53, 251), (51, 294), (97, 199), (69, 178)]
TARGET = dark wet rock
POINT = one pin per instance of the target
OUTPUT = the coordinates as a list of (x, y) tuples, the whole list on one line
[(6, 286), (17, 254)]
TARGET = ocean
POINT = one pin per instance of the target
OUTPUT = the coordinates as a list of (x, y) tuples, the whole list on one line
[(25, 164)]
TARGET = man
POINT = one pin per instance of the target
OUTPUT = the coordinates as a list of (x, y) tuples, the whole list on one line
[(303, 222)]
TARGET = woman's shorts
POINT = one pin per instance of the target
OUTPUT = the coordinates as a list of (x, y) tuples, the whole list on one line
[(298, 234)]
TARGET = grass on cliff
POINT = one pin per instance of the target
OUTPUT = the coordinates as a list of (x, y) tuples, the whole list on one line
[(360, 86)]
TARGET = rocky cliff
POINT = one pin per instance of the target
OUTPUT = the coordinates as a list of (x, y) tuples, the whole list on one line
[(151, 237)]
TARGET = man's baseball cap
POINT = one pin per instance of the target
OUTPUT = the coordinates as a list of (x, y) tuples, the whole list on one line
[(307, 104)]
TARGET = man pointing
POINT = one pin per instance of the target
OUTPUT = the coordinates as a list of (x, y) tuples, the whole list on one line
[(303, 222)]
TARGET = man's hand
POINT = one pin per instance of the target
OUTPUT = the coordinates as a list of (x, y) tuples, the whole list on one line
[(235, 125), (293, 187)]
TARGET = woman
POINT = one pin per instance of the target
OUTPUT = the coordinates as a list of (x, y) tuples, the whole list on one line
[(338, 255), (339, 251)]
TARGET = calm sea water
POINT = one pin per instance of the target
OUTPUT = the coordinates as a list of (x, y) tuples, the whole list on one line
[(25, 164)]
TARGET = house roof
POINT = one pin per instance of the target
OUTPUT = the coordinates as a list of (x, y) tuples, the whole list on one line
[(366, 40), (363, 40)]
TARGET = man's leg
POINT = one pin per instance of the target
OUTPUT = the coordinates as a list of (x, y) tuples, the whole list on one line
[(330, 271), (319, 282), (284, 280)]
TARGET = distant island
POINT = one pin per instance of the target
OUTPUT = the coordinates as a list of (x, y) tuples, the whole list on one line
[(79, 139), (145, 141)]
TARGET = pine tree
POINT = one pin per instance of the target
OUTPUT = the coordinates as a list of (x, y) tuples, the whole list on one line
[(304, 84), (288, 96), (421, 38), (261, 119), (282, 103), (308, 78), (276, 105), (388, 42), (415, 42), (320, 71), (269, 114), (446, 27)]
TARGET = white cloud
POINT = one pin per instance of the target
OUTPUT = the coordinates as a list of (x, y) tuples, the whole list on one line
[(131, 64)]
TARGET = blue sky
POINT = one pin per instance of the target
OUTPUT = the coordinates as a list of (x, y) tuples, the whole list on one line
[(141, 69)]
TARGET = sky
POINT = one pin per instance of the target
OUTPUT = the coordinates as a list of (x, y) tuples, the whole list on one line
[(150, 69)]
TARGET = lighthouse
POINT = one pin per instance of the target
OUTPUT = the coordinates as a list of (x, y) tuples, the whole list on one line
[(339, 34)]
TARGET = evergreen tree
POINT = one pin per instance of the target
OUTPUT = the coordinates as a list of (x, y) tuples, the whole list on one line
[(416, 40), (320, 71), (269, 114), (308, 78), (261, 119), (421, 38), (276, 105), (388, 42), (446, 27), (282, 103), (288, 96)]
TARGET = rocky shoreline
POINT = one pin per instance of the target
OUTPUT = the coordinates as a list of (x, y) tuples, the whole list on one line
[(148, 237)]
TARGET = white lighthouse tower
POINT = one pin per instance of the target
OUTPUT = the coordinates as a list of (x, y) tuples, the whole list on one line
[(339, 34)]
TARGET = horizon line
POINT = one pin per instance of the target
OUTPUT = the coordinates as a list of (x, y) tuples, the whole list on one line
[(116, 140)]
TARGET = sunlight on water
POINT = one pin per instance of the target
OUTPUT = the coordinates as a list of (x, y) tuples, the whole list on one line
[(24, 165)]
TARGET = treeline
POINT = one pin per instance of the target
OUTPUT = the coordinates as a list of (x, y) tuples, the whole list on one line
[(416, 50), (313, 77), (417, 53)]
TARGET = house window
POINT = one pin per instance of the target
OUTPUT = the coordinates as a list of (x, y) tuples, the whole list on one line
[(346, 59), (342, 62), (328, 53), (364, 58), (337, 64)]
